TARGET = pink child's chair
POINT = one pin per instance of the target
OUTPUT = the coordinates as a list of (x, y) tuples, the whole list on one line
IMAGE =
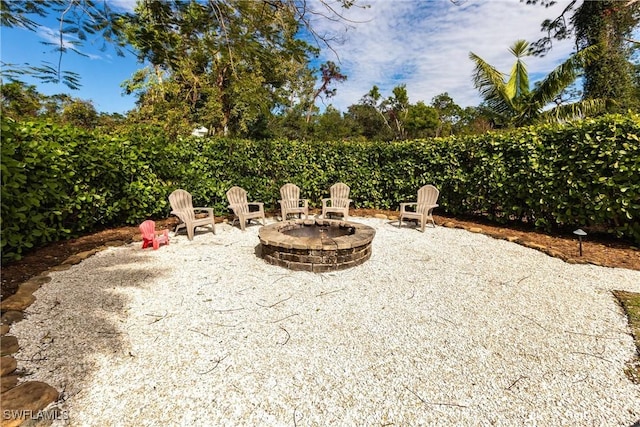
[(151, 237)]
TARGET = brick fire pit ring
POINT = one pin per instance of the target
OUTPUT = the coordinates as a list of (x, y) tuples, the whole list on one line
[(318, 245)]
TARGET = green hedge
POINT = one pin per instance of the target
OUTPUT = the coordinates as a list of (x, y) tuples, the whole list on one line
[(59, 181)]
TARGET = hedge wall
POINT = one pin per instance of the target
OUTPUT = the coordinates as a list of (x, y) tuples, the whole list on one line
[(61, 181)]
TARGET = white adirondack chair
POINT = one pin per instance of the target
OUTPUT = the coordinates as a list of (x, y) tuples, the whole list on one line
[(422, 210), (182, 207), (338, 202), (291, 203), (241, 208)]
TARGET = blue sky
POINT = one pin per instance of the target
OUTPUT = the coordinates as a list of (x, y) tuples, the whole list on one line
[(424, 44)]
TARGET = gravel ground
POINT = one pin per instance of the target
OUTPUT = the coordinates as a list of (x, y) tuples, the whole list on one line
[(444, 327)]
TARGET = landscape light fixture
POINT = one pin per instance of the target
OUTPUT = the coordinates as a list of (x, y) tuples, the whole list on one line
[(580, 233)]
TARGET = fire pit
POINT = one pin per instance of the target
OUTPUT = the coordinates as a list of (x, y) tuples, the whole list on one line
[(316, 245)]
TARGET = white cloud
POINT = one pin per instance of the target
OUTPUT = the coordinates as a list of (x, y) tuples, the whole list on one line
[(53, 36), (123, 5), (426, 45)]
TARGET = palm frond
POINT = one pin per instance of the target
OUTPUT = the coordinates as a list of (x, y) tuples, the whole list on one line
[(576, 111), (518, 84), (563, 76), (490, 83)]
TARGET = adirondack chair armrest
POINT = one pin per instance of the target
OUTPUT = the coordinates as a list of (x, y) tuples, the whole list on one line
[(425, 206), (207, 210), (163, 236), (403, 206), (260, 206), (324, 201)]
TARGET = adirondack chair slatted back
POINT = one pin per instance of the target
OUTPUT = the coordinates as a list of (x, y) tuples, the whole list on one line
[(290, 194), (241, 207), (291, 203), (427, 197), (238, 200), (339, 201), (181, 201), (422, 210), (182, 206), (339, 195)]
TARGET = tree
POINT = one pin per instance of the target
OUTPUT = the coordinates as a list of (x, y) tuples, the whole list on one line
[(96, 21), (331, 126), (80, 113), (422, 121), (374, 114), (396, 108), (19, 101), (222, 63), (609, 24), (54, 105), (23, 102), (329, 73), (368, 122), (514, 103), (474, 120), (448, 113)]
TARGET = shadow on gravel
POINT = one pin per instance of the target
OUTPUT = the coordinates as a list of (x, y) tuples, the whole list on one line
[(81, 316)]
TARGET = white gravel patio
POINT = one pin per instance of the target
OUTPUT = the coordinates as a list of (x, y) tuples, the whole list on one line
[(444, 327)]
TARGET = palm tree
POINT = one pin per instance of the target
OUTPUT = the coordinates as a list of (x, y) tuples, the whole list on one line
[(514, 103)]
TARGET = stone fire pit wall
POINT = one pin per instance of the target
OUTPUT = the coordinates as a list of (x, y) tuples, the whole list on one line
[(318, 253)]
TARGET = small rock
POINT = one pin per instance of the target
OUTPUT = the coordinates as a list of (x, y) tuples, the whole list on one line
[(8, 382), (475, 229), (555, 254), (4, 329), (535, 246), (18, 301), (512, 238), (11, 317), (8, 364), (61, 267), (80, 256), (41, 280), (8, 345), (29, 287), (113, 243), (449, 224), (28, 398), (381, 216), (494, 235)]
